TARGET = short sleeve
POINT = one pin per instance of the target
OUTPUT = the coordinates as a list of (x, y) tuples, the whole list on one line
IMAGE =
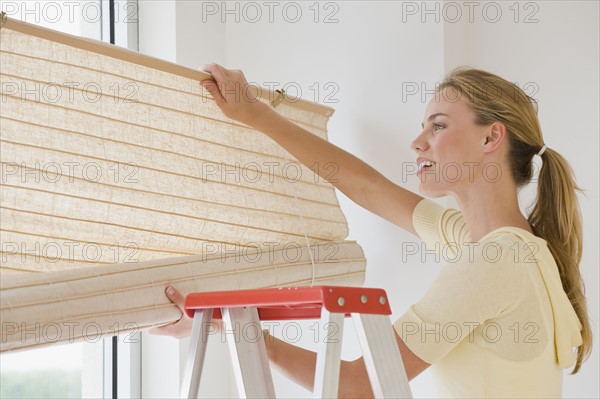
[(438, 226), (483, 283)]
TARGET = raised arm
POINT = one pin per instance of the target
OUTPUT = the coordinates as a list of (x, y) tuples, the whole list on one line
[(357, 180)]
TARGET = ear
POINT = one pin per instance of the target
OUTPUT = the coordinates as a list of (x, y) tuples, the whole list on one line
[(495, 136)]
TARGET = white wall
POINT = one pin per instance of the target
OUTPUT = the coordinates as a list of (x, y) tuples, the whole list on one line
[(371, 55), (367, 55)]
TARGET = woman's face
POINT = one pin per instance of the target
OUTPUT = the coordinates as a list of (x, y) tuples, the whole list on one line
[(454, 143)]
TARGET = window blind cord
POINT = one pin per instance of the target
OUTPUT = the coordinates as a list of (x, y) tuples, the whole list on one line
[(303, 224)]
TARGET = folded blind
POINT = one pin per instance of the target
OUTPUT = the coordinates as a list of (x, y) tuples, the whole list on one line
[(119, 174)]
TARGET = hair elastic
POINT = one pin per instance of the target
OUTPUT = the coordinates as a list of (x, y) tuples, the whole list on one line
[(539, 154)]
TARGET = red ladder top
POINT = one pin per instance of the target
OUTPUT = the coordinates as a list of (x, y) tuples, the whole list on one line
[(294, 302)]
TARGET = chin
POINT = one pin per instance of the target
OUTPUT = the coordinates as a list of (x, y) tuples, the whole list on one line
[(432, 191)]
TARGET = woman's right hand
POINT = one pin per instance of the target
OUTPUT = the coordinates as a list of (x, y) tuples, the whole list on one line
[(233, 95), (182, 327)]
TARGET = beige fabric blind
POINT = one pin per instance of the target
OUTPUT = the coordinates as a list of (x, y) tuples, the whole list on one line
[(119, 174)]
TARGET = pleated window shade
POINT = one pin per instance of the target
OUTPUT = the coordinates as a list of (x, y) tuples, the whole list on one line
[(120, 175)]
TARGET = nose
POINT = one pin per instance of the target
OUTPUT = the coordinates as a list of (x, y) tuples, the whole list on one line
[(420, 143)]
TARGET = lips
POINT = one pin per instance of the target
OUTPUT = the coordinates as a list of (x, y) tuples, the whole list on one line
[(423, 164)]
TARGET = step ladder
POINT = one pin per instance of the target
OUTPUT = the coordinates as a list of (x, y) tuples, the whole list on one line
[(243, 310)]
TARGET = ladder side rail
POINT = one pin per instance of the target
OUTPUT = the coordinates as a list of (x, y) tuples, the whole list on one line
[(196, 354), (382, 356), (327, 371), (248, 353)]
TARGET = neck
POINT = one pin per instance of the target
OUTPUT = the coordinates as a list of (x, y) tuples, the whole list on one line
[(487, 206)]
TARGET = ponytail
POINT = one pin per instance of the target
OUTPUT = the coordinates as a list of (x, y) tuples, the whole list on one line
[(556, 218)]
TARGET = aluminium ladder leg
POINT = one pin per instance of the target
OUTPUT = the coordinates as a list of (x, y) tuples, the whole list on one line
[(327, 371), (249, 357), (248, 354), (382, 356), (196, 353)]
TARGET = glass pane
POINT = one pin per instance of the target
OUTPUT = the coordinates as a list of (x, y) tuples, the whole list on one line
[(50, 372), (81, 18)]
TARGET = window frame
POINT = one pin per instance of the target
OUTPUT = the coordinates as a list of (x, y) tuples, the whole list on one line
[(122, 353)]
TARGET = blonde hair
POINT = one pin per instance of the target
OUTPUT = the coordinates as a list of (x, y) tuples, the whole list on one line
[(555, 216)]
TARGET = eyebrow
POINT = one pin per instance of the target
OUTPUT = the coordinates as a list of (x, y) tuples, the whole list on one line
[(433, 116)]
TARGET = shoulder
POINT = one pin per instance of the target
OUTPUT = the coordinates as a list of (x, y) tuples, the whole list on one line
[(499, 260), (436, 224), (507, 246)]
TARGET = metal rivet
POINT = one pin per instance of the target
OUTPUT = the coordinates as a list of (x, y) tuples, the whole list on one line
[(341, 301), (363, 298), (382, 300)]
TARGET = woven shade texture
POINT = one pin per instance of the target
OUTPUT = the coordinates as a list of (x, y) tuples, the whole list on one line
[(119, 175)]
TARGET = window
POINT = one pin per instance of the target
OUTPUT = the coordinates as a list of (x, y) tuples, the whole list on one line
[(98, 368)]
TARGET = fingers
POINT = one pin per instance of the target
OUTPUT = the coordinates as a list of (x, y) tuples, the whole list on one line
[(214, 91), (233, 95), (219, 73), (176, 297), (180, 328), (208, 68), (212, 85), (224, 76)]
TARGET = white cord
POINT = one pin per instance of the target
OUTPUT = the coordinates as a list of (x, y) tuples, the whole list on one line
[(312, 261), (310, 254)]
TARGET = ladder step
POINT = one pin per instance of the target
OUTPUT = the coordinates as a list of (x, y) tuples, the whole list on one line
[(293, 303)]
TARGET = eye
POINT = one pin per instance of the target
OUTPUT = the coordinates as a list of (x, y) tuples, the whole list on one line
[(437, 126)]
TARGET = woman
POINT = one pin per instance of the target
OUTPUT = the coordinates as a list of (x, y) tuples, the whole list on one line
[(503, 315)]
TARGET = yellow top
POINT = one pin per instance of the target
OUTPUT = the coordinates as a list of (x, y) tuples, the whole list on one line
[(496, 321)]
